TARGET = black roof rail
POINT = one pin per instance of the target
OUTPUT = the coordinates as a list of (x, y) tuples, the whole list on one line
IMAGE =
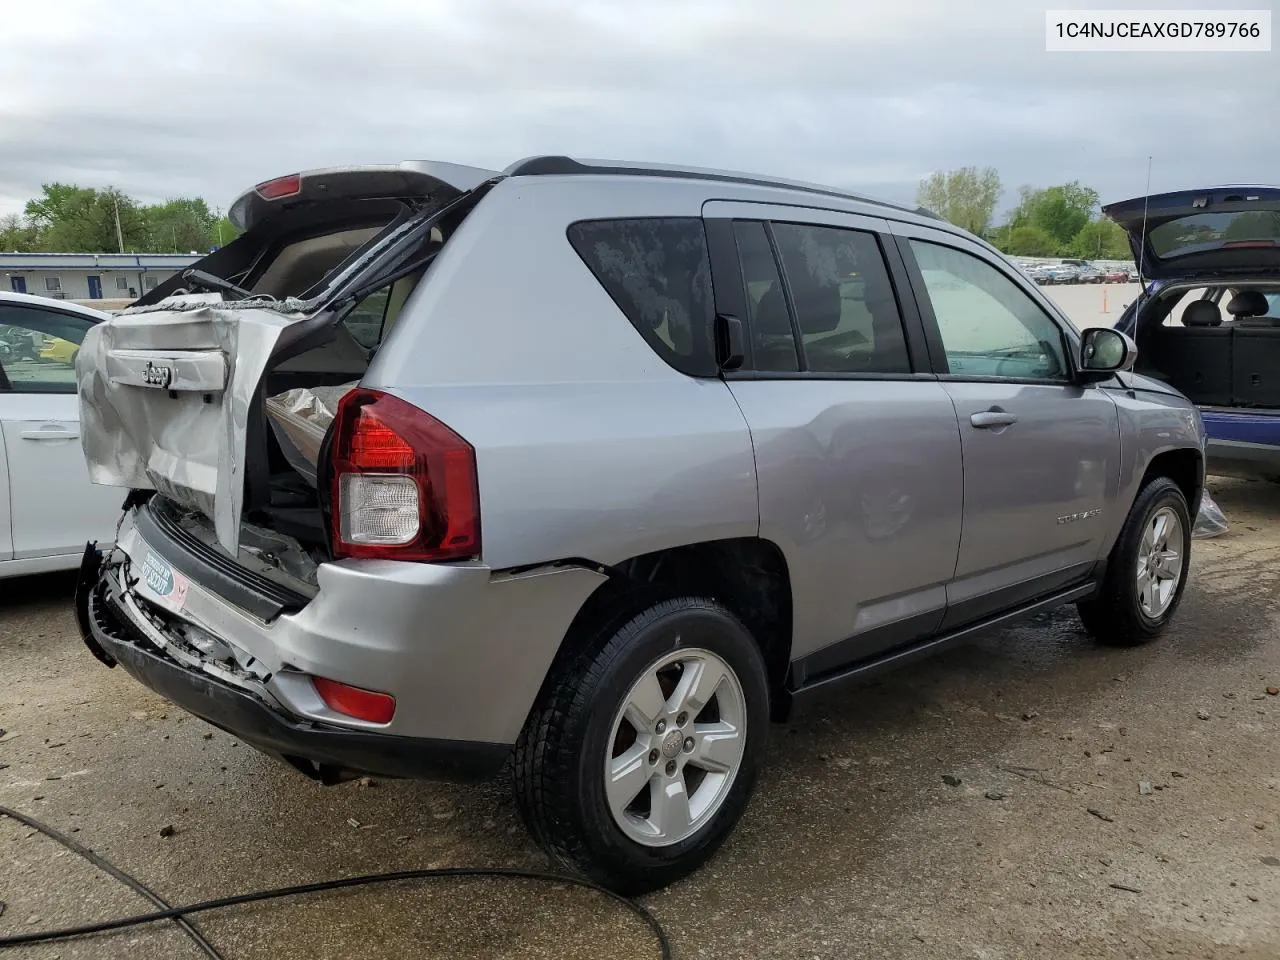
[(567, 166)]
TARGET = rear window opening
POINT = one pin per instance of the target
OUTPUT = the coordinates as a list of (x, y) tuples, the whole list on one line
[(295, 254)]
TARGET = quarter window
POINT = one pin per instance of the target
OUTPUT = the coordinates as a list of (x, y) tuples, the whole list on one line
[(989, 326), (658, 272)]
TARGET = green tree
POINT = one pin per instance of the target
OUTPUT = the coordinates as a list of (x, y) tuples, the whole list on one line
[(1027, 240), (224, 232), (180, 226), (71, 219), (18, 234), (1101, 240), (1061, 211), (966, 197)]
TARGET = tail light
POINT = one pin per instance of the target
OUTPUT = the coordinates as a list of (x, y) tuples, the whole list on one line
[(404, 486), (280, 187)]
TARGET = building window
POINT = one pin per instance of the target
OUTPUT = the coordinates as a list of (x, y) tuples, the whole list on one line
[(122, 282), (52, 283), (150, 283)]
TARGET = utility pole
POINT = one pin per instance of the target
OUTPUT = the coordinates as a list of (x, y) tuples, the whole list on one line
[(119, 232)]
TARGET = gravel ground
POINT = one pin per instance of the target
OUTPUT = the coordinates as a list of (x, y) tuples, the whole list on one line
[(854, 845)]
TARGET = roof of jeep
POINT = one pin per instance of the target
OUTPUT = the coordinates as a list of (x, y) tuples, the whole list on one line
[(458, 178), (569, 166)]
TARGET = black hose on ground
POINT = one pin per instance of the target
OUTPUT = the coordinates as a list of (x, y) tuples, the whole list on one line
[(107, 867), (179, 914)]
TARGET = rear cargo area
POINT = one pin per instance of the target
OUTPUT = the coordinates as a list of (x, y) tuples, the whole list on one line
[(1223, 366), (1214, 357), (218, 389)]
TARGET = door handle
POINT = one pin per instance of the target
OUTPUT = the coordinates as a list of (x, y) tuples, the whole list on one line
[(993, 418), (50, 433)]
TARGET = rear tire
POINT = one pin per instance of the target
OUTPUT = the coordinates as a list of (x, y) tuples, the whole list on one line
[(1146, 572), (641, 757)]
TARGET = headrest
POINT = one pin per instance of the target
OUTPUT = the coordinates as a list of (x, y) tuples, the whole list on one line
[(1247, 303), (771, 316), (1202, 313), (818, 305)]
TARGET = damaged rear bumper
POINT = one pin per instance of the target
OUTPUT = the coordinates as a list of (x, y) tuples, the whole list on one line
[(462, 650), (326, 752)]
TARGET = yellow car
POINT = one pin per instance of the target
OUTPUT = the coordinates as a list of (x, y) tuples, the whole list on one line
[(55, 348)]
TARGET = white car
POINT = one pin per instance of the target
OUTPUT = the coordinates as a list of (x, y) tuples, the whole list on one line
[(48, 507)]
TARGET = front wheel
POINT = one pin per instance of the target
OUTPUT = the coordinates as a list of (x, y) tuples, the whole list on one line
[(641, 757), (1147, 571)]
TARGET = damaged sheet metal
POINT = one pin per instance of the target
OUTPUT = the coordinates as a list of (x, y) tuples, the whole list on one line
[(300, 419), (165, 393)]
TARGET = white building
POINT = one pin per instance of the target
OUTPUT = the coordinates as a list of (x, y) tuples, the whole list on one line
[(89, 276)]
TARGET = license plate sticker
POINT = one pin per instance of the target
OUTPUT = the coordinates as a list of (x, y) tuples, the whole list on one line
[(166, 584)]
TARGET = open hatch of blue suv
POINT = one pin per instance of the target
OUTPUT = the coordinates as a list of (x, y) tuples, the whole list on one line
[(1208, 322)]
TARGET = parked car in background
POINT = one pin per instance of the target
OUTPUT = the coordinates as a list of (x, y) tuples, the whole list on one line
[(1213, 256), (48, 507), (1063, 273), (1116, 275), (1086, 272), (784, 478), (59, 350)]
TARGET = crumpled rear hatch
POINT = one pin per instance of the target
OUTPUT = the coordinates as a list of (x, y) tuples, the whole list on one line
[(170, 388)]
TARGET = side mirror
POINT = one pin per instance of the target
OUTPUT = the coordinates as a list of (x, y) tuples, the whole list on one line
[(1104, 352)]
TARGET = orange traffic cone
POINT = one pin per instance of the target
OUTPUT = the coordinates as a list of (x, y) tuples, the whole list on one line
[(1104, 299)]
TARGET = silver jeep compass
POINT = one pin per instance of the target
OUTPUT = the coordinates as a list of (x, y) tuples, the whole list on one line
[(593, 469)]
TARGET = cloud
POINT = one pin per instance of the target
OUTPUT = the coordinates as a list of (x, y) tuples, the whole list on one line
[(164, 99)]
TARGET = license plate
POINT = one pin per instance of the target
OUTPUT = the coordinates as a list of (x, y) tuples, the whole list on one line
[(165, 584)]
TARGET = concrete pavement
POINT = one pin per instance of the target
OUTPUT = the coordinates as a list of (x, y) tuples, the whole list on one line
[(854, 846)]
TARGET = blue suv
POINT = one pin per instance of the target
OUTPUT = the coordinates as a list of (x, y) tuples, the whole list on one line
[(1208, 322)]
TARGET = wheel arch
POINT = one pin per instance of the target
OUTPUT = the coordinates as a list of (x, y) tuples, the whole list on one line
[(1185, 467), (748, 575)]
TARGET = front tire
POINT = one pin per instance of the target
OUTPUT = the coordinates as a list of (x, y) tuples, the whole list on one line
[(1146, 572), (643, 753)]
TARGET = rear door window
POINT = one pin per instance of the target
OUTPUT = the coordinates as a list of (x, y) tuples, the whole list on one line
[(658, 272), (844, 303), (773, 341)]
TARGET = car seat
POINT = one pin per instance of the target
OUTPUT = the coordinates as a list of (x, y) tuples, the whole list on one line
[(1255, 367), (1197, 357)]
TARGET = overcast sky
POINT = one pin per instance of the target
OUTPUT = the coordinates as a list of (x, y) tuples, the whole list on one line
[(161, 101)]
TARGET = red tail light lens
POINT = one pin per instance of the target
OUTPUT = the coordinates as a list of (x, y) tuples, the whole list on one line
[(354, 702), (404, 486), (280, 187)]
